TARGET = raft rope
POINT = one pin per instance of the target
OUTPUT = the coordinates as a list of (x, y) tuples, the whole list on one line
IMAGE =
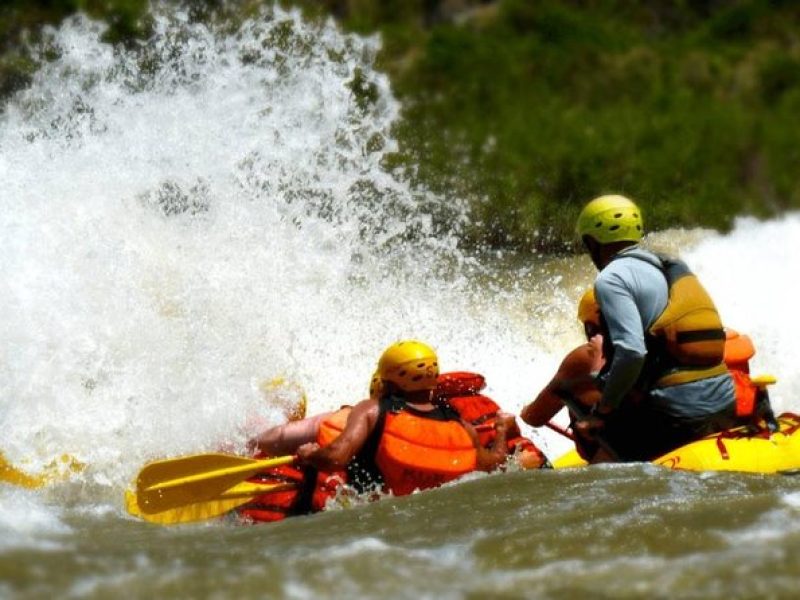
[(792, 421)]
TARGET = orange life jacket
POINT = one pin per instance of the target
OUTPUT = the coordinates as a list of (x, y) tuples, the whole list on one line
[(327, 483), (408, 450), (418, 450), (461, 390), (739, 350), (276, 506), (313, 487), (333, 426)]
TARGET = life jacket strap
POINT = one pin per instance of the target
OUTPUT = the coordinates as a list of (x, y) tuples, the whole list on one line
[(690, 374), (362, 472), (700, 335)]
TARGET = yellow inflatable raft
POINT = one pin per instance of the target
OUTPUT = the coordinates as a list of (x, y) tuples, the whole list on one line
[(735, 450)]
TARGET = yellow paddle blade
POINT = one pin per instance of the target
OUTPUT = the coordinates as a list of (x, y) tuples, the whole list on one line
[(168, 484), (763, 380), (200, 511), (60, 469)]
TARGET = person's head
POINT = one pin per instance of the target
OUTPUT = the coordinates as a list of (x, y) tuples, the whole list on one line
[(409, 367), (608, 224), (589, 313)]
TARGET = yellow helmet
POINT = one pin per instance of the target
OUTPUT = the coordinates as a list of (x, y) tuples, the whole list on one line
[(410, 365), (588, 309), (375, 386), (611, 219)]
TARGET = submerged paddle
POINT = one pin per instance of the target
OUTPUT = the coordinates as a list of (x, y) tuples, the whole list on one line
[(168, 484), (227, 501), (51, 473)]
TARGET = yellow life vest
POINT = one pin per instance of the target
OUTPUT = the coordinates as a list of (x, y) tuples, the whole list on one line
[(687, 341), (689, 330)]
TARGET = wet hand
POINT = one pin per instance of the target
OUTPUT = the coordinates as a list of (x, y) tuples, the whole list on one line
[(588, 425), (306, 451), (504, 421), (601, 409), (528, 459)]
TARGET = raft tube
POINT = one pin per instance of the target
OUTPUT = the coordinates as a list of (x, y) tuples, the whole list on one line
[(739, 449)]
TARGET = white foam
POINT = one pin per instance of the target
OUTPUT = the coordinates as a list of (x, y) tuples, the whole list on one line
[(174, 237), (27, 522), (749, 274), (792, 499)]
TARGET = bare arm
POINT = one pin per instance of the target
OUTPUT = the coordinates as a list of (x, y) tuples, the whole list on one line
[(543, 408), (287, 438), (574, 372), (336, 455)]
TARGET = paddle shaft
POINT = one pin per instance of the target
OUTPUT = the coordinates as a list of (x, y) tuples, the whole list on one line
[(254, 467), (560, 430), (256, 490)]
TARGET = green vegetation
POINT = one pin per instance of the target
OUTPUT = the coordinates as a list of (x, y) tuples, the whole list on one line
[(528, 108), (21, 22)]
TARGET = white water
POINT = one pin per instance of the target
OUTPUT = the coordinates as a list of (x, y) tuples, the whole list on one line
[(750, 274), (173, 237)]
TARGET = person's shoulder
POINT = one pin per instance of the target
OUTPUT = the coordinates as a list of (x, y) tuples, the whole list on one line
[(578, 362), (614, 274), (636, 255), (367, 406), (363, 414), (629, 261)]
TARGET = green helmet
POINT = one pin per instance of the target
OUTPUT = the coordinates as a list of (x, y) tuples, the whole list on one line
[(611, 219)]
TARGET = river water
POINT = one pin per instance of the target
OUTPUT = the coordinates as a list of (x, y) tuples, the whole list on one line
[(184, 222)]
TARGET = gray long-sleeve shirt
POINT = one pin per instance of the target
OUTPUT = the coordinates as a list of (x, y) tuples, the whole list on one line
[(632, 293)]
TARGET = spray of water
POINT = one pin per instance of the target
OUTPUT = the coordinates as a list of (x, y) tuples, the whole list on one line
[(185, 220), (749, 272)]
